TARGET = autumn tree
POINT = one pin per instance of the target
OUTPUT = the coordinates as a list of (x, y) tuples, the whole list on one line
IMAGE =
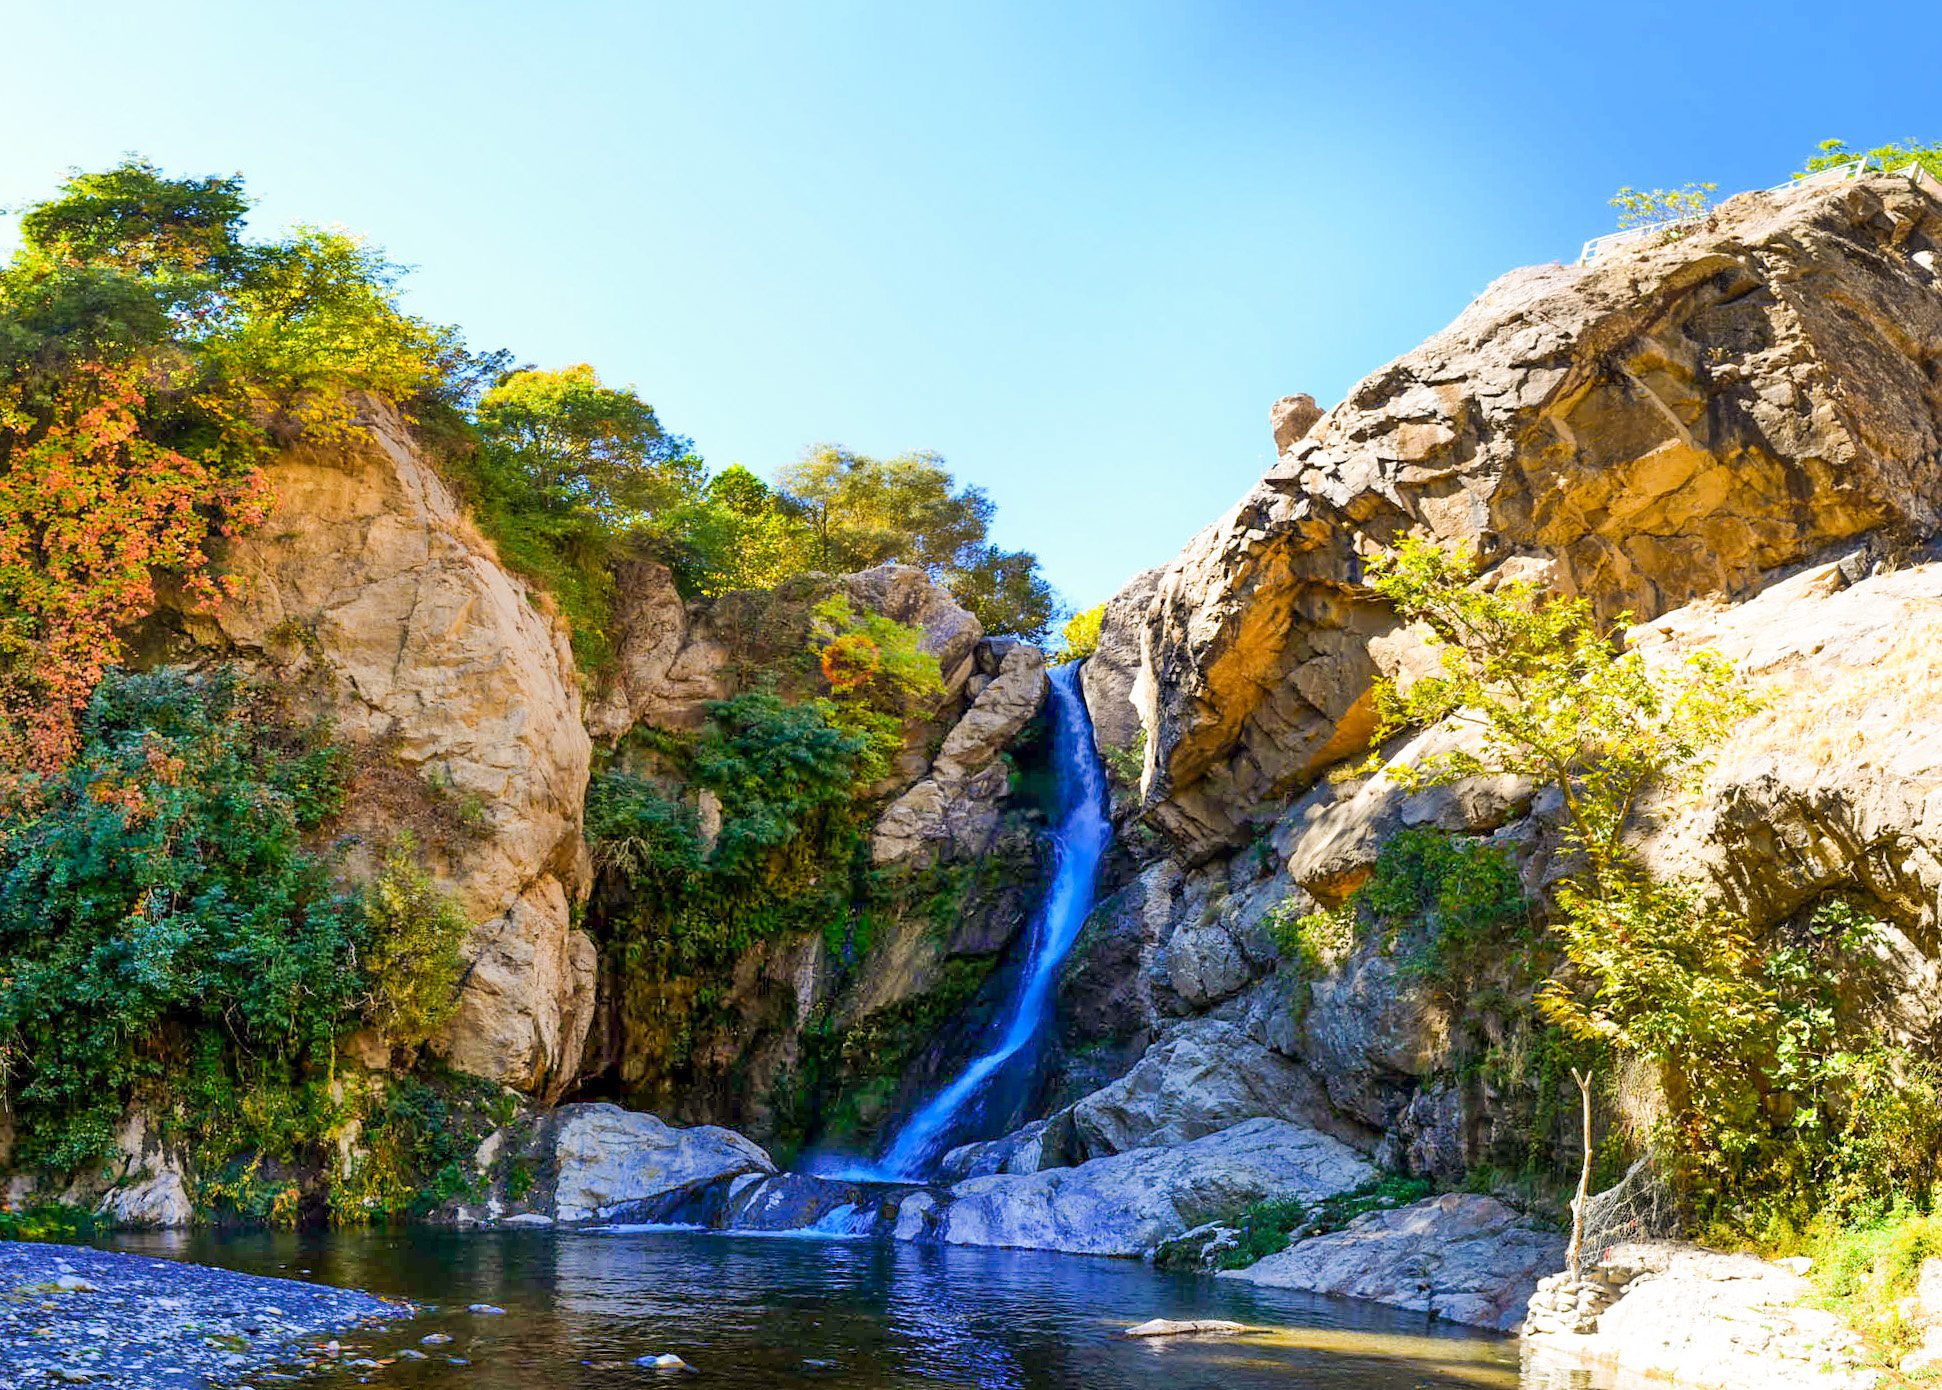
[(149, 359)]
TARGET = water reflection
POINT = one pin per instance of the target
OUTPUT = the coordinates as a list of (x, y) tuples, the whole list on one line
[(782, 1313)]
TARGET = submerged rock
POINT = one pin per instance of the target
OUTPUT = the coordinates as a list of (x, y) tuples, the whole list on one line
[(1200, 1327)]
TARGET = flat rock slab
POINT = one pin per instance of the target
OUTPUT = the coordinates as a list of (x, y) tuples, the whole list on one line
[(73, 1315), (1460, 1257), (1198, 1327)]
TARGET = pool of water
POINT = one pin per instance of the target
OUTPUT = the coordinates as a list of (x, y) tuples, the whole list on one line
[(753, 1311)]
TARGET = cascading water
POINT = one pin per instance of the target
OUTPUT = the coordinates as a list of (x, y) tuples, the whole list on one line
[(1079, 843)]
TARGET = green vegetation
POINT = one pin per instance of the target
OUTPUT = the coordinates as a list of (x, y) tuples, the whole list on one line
[(1267, 1228), (862, 511), (164, 893), (1127, 764), (1865, 1270), (1661, 208), (1775, 1100), (1898, 154), (46, 1221), (412, 957), (168, 937), (1457, 900)]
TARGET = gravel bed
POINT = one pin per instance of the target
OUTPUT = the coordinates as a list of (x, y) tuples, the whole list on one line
[(70, 1315)]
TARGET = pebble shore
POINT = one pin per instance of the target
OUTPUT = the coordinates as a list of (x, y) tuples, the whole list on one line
[(70, 1315)]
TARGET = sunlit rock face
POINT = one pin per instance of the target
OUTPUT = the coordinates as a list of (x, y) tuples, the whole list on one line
[(1681, 420), (368, 588)]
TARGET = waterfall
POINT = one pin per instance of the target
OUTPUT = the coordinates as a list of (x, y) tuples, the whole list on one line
[(1079, 843)]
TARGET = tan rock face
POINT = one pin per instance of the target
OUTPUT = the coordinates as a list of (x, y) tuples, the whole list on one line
[(953, 813), (368, 576), (1682, 420)]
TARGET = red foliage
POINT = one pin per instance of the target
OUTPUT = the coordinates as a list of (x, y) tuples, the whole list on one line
[(851, 662), (90, 513)]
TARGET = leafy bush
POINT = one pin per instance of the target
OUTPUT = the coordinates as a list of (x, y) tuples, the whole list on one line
[(1661, 207), (1269, 1227), (1897, 154), (1864, 1271), (1315, 940), (1079, 638), (164, 893), (1457, 898), (412, 958), (46, 1221)]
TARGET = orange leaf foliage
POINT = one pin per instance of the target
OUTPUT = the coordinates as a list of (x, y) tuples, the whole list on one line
[(90, 513)]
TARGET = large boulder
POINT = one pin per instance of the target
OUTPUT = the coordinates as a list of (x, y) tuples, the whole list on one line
[(597, 1162), (1687, 1316), (1459, 1257), (368, 585), (1686, 418), (1128, 1203), (1204, 1076), (952, 814)]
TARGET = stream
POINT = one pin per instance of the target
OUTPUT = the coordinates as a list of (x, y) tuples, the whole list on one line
[(784, 1312)]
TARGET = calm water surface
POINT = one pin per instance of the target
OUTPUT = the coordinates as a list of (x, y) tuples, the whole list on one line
[(749, 1311)]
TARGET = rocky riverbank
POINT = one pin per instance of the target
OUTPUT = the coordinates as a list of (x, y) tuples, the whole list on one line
[(70, 1315)]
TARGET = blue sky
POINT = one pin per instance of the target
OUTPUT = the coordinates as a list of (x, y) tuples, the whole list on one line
[(1077, 248)]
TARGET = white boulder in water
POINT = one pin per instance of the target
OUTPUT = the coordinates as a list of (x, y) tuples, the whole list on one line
[(610, 1159), (1128, 1203)]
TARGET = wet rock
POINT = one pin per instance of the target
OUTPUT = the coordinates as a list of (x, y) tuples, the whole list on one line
[(663, 1361)]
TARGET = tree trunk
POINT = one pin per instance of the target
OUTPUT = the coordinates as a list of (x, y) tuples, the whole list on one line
[(1574, 1250)]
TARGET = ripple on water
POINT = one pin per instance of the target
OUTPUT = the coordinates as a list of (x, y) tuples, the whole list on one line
[(582, 1306)]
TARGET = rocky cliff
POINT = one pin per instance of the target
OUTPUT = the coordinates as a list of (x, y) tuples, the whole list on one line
[(370, 594), (1681, 420), (1735, 436)]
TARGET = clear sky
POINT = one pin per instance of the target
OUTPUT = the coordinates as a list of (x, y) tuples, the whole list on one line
[(1077, 248)]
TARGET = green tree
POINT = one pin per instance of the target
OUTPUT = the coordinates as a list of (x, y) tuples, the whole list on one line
[(581, 444), (1661, 207), (1898, 154), (863, 512), (1551, 695), (1004, 591), (866, 511), (739, 533)]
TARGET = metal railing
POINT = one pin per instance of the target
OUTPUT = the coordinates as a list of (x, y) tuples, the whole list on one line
[(1840, 173)]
